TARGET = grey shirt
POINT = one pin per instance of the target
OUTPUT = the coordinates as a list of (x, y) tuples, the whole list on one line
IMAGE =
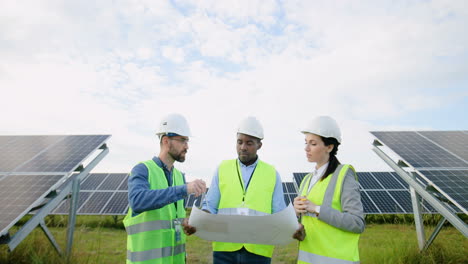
[(352, 217)]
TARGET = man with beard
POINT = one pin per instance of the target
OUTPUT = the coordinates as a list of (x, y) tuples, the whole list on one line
[(244, 186), (156, 190)]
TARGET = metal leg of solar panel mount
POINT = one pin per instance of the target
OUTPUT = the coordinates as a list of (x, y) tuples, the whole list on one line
[(72, 215), (435, 233), (50, 237), (418, 220), (421, 191), (74, 199)]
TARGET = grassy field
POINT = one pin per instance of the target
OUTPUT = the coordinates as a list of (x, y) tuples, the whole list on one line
[(101, 239)]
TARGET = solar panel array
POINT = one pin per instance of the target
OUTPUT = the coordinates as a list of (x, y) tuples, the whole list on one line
[(32, 166), (106, 194), (439, 157)]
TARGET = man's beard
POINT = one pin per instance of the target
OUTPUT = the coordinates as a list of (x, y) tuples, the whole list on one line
[(180, 157)]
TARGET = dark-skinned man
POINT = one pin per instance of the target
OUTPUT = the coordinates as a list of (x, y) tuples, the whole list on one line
[(156, 190), (244, 186)]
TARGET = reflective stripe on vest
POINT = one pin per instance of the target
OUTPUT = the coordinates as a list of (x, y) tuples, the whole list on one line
[(235, 211), (318, 246), (155, 253), (314, 258), (150, 226), (258, 199)]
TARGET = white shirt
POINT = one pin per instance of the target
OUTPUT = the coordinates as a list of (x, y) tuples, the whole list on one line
[(316, 175)]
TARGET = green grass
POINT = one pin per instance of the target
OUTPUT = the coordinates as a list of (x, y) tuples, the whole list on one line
[(102, 239)]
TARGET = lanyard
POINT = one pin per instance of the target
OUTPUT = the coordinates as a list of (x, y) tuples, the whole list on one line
[(244, 190)]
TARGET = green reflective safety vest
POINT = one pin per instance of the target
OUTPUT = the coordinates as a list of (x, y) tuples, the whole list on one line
[(325, 243), (151, 235), (258, 198)]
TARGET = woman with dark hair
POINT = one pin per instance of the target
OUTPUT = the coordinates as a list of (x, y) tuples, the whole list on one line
[(329, 203)]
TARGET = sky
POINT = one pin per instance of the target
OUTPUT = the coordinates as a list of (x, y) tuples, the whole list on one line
[(118, 67)]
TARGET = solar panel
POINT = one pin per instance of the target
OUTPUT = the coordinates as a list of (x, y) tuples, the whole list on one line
[(65, 155), (93, 181), (439, 157), (368, 205), (368, 181), (113, 181), (32, 166), (385, 202), (18, 150), (118, 204), (418, 151), (124, 185), (453, 184), (291, 188), (286, 199), (456, 142), (387, 180), (95, 203), (19, 193)]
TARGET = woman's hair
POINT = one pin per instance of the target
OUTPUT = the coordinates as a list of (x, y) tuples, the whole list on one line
[(333, 162)]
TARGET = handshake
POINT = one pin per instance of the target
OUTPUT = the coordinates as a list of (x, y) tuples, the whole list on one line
[(196, 187)]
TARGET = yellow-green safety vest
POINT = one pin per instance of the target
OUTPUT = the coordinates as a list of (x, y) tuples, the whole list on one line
[(325, 243), (151, 235), (258, 199)]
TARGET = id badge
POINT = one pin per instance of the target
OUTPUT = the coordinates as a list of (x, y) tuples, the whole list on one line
[(178, 229), (243, 211)]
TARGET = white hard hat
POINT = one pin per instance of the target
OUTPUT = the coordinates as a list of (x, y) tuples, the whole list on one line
[(250, 126), (324, 126), (174, 123)]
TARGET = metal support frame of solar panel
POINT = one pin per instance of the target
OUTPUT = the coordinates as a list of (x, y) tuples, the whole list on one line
[(47, 159), (425, 152), (381, 193)]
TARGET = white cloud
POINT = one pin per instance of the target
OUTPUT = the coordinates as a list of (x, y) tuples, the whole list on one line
[(119, 67)]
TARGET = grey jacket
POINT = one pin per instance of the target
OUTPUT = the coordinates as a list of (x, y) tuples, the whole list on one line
[(352, 217)]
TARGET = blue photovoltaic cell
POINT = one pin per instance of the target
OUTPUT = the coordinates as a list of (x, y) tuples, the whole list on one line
[(95, 203), (285, 190), (452, 182), (385, 203), (18, 193), (369, 207), (93, 181), (418, 151), (368, 182), (286, 198), (117, 205), (18, 150), (113, 181), (388, 180), (404, 199), (291, 188), (455, 142), (124, 185), (65, 155)]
